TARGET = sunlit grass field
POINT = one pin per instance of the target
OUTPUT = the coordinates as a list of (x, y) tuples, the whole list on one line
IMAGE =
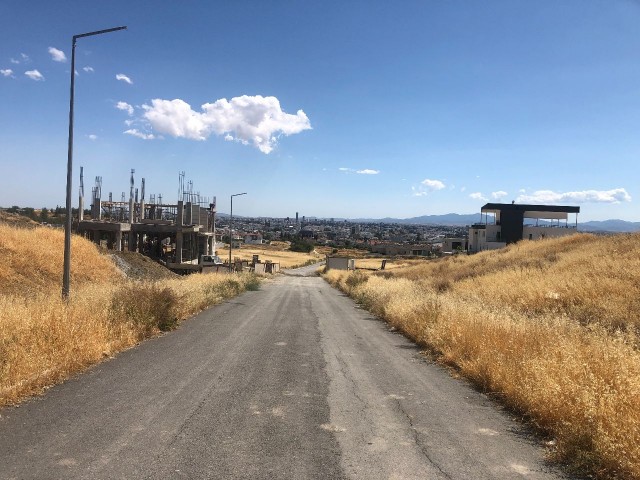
[(278, 253), (44, 340), (551, 327)]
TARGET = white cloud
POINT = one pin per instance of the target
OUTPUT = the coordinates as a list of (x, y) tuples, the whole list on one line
[(522, 190), (462, 189), (88, 69), (478, 196), (426, 187), (432, 185), (368, 171), (34, 75), (57, 55), (128, 123), (499, 195), (124, 78), (248, 119), (139, 134), (24, 58), (125, 107), (7, 73), (345, 169), (616, 195), (92, 137)]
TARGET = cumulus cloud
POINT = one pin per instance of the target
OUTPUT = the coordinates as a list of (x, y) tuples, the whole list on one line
[(432, 185), (478, 196), (137, 133), (7, 72), (125, 107), (88, 69), (92, 137), (34, 75), (427, 186), (255, 120), (617, 195), (57, 55), (124, 78), (499, 195), (368, 171)]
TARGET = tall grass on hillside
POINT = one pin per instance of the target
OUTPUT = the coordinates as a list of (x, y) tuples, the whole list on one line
[(525, 322), (32, 261), (44, 340), (586, 278)]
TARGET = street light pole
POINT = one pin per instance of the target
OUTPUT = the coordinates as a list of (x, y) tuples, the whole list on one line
[(66, 274), (231, 226)]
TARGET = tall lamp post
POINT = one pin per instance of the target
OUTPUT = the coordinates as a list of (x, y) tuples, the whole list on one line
[(231, 226), (66, 274)]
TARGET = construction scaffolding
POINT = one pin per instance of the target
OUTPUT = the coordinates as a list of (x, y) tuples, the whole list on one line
[(175, 234)]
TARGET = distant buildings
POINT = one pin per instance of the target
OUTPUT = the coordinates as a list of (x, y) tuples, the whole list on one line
[(510, 223)]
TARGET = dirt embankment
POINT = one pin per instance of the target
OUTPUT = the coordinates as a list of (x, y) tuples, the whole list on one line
[(138, 267)]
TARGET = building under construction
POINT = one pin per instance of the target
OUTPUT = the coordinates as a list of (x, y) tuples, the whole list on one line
[(176, 234)]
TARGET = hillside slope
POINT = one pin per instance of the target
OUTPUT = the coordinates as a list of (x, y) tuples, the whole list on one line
[(32, 261)]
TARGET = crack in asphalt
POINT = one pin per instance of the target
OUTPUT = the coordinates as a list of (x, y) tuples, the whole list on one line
[(416, 440)]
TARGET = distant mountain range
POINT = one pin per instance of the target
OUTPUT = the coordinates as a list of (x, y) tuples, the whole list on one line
[(455, 219)]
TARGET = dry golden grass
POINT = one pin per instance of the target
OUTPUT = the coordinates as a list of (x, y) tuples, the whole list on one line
[(550, 326), (32, 261), (44, 340), (277, 254), (392, 264)]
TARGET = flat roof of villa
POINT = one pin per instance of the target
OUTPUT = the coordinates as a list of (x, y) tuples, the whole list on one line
[(529, 208)]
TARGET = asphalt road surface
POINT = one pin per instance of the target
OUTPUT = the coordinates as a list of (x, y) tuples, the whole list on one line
[(291, 381)]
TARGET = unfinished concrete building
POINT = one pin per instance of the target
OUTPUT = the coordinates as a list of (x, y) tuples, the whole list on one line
[(176, 234)]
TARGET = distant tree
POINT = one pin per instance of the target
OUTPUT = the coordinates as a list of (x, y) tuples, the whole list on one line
[(13, 209), (29, 212), (44, 214), (298, 245)]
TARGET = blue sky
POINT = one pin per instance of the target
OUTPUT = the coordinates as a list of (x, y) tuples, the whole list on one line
[(333, 108)]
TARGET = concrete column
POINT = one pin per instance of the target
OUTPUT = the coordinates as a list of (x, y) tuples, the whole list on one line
[(179, 246), (141, 211), (132, 212), (81, 208), (118, 241), (189, 213), (180, 217), (132, 241)]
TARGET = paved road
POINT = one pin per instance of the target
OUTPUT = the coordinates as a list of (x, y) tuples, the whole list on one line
[(292, 381)]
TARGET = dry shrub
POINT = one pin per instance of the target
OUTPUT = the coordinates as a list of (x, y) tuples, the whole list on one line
[(149, 307), (549, 326)]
